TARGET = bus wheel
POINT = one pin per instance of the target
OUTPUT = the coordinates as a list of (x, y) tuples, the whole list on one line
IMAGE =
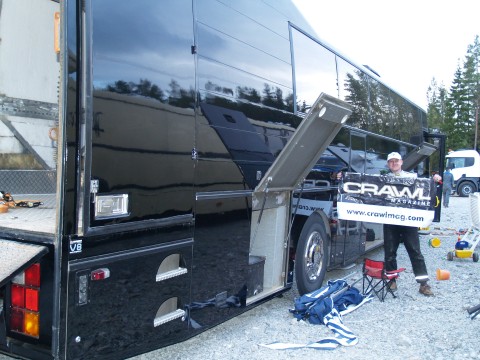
[(466, 189), (311, 255)]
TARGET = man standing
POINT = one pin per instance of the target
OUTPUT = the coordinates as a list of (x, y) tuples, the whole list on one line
[(395, 234), (447, 186)]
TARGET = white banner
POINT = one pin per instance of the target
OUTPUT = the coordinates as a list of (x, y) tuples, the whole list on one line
[(407, 201), (385, 214)]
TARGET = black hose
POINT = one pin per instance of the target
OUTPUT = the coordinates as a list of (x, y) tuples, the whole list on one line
[(473, 309)]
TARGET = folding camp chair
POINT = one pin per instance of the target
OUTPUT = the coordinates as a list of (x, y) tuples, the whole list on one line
[(377, 279)]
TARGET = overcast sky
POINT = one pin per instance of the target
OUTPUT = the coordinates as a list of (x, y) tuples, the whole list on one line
[(407, 42)]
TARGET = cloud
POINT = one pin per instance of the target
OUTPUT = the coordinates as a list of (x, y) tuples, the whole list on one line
[(408, 42)]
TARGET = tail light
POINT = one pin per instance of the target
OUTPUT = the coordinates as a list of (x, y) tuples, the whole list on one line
[(25, 302)]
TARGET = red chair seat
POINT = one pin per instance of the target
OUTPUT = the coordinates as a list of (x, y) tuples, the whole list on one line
[(377, 279)]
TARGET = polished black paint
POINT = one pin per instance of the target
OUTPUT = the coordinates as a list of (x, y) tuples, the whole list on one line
[(119, 316), (188, 110), (175, 85)]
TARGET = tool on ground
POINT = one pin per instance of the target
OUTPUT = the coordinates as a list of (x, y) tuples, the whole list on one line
[(7, 199), (465, 246), (474, 311)]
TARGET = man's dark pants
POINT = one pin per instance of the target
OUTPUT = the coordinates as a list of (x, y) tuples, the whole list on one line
[(393, 236)]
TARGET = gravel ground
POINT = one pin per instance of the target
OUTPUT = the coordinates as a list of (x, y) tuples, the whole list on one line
[(410, 327)]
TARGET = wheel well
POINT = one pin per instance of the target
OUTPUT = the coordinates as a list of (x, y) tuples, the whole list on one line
[(300, 221)]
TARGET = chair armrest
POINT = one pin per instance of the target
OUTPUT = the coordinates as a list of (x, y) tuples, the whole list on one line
[(392, 273)]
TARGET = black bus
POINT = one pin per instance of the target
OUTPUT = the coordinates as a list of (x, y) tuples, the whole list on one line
[(166, 165)]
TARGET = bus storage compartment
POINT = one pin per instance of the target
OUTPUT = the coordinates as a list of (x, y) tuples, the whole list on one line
[(29, 116), (144, 292), (256, 266), (270, 219), (272, 198)]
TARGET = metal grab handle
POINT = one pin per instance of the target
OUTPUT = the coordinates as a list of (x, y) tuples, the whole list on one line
[(160, 320), (170, 274)]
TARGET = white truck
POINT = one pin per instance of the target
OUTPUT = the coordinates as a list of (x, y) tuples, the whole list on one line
[(465, 167)]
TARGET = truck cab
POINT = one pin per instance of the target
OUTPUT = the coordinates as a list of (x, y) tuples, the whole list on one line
[(465, 167)]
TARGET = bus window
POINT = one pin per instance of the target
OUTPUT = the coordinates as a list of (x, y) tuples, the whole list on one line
[(315, 71)]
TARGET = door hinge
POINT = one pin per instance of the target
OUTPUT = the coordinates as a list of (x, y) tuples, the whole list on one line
[(94, 184)]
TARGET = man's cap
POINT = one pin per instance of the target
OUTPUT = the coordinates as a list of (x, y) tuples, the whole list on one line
[(394, 155)]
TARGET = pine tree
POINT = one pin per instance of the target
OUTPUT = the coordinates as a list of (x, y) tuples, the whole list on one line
[(455, 112), (471, 80), (436, 98), (457, 123)]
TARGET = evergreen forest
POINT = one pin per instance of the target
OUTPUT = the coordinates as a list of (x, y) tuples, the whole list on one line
[(455, 111)]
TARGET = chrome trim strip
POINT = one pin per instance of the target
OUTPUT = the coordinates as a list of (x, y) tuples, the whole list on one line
[(140, 225), (222, 194)]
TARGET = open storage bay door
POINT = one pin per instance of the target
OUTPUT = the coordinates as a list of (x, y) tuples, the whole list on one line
[(417, 155), (314, 134), (16, 257), (272, 197)]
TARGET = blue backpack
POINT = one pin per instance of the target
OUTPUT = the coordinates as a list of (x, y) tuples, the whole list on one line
[(315, 305)]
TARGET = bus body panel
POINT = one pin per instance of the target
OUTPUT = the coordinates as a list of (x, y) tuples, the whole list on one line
[(145, 139), (130, 302)]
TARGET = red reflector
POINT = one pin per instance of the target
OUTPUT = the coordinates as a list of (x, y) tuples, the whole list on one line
[(32, 275), (18, 295), (31, 299), (100, 274), (16, 320)]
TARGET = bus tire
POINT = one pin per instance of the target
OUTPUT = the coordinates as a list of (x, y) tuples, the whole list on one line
[(311, 255), (466, 188)]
